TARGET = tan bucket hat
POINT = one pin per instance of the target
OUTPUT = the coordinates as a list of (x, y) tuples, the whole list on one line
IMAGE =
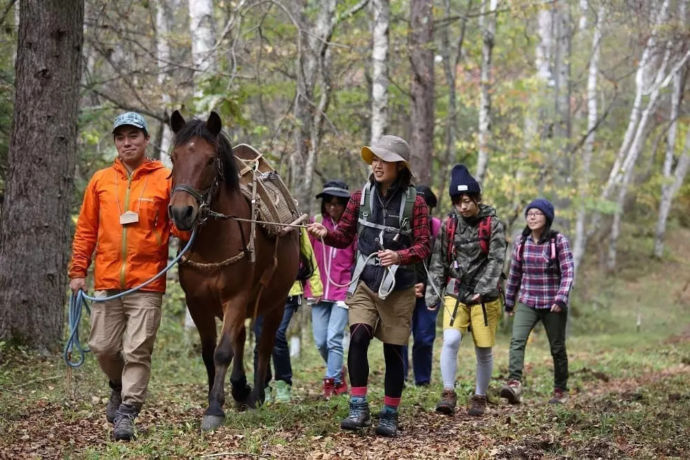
[(388, 148)]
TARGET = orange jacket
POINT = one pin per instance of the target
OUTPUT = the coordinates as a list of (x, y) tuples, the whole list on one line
[(125, 255)]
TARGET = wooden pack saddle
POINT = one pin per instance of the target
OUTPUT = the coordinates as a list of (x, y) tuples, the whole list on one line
[(263, 187)]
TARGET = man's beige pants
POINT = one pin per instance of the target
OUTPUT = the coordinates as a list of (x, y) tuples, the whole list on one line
[(122, 334)]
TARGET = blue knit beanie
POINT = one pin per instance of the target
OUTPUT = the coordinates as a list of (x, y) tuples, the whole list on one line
[(544, 206), (461, 181)]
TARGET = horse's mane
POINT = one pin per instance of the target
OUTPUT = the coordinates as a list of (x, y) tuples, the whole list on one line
[(197, 128)]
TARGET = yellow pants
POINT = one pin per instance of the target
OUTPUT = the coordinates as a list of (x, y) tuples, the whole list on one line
[(483, 332)]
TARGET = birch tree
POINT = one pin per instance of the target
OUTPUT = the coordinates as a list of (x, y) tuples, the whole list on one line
[(673, 179), (202, 29), (35, 223), (637, 128), (420, 39), (163, 136), (592, 115), (451, 54), (379, 87), (487, 24)]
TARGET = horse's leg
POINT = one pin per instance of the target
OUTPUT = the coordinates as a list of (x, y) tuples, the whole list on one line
[(238, 379), (205, 324), (271, 321), (222, 356)]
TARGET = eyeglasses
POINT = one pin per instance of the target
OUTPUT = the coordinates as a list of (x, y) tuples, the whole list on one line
[(534, 214)]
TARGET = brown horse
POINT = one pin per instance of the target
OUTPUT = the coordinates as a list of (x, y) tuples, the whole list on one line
[(220, 281)]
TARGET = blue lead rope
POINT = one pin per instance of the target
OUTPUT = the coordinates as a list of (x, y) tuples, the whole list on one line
[(78, 302)]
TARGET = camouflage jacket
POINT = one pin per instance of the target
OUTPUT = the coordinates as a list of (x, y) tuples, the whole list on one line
[(473, 271)]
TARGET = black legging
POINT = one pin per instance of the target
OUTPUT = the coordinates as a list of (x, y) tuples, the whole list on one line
[(358, 362)]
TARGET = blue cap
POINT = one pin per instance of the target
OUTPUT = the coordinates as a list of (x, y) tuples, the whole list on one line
[(130, 119), (544, 206)]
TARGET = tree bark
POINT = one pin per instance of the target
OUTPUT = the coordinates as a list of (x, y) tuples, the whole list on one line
[(420, 39), (672, 180), (487, 23), (164, 136), (451, 57), (202, 28), (379, 88), (35, 225), (592, 115)]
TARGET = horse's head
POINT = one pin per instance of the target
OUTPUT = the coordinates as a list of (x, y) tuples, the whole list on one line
[(202, 160)]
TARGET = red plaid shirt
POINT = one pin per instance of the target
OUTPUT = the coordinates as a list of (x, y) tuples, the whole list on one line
[(347, 230)]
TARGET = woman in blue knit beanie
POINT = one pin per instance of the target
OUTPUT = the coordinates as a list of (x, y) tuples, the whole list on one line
[(540, 279)]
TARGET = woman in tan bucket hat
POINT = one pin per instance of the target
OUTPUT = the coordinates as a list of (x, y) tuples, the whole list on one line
[(390, 224)]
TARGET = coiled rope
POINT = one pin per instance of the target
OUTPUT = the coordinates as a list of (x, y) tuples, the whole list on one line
[(78, 301)]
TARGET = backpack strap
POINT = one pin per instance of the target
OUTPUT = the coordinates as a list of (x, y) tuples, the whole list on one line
[(364, 207), (521, 247), (485, 234), (406, 207), (451, 227)]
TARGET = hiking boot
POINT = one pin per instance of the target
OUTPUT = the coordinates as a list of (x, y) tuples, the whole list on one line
[(477, 405), (388, 424), (114, 402), (283, 392), (358, 417), (447, 403), (328, 387), (341, 388), (124, 422), (511, 391), (559, 396)]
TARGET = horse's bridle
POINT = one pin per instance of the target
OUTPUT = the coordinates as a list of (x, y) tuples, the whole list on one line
[(203, 198)]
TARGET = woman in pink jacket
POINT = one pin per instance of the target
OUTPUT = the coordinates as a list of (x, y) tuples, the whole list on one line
[(330, 315)]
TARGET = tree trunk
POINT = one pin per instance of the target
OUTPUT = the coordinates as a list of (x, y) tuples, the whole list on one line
[(163, 137), (671, 180), (628, 164), (202, 28), (35, 225), (379, 88), (451, 57), (592, 114), (487, 23), (420, 39)]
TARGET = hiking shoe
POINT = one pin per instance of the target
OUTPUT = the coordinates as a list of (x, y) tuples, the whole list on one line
[(341, 388), (358, 417), (477, 405), (388, 424), (124, 422), (328, 387), (511, 391), (559, 396), (283, 392), (447, 403), (114, 402)]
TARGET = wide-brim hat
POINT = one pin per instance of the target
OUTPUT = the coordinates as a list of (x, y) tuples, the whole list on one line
[(130, 119), (389, 148), (335, 188)]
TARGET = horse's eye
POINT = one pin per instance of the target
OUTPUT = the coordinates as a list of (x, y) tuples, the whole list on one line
[(210, 161)]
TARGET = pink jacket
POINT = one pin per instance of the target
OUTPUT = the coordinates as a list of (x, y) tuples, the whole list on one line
[(337, 263)]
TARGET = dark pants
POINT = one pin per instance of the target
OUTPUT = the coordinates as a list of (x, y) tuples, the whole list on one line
[(424, 333), (554, 324), (281, 352)]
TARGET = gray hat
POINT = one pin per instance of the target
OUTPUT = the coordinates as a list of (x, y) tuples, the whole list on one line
[(130, 119), (388, 148)]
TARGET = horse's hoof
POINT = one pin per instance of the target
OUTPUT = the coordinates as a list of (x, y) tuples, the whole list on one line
[(211, 422)]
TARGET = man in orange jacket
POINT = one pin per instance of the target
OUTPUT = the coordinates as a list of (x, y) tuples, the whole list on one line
[(123, 225)]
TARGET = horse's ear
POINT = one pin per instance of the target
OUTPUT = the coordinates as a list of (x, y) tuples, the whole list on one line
[(177, 121), (214, 123)]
